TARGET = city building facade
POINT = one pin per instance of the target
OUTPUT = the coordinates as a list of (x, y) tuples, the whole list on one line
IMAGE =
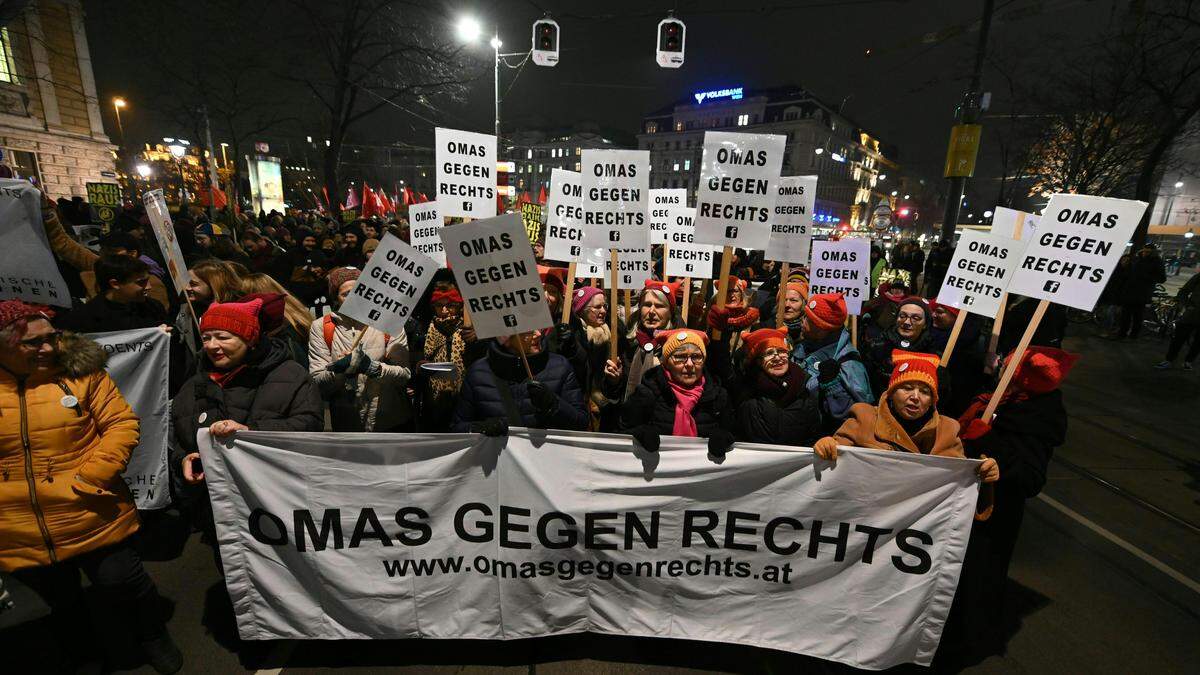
[(535, 154)]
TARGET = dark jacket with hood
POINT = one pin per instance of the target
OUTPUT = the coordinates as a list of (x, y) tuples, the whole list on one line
[(653, 403), (782, 412), (482, 399), (101, 315)]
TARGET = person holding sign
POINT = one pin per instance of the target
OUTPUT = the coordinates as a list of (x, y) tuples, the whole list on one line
[(676, 399), (837, 377), (499, 392), (655, 312), (362, 372), (590, 307), (446, 351)]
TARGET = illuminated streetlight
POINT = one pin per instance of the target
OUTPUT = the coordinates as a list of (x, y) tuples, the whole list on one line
[(894, 193), (906, 196), (819, 150), (495, 43), (987, 214), (143, 170), (468, 29), (1178, 184), (119, 103)]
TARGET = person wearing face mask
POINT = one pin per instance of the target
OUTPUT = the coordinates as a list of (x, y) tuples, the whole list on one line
[(655, 313), (774, 404), (837, 377), (677, 399), (906, 418), (910, 333)]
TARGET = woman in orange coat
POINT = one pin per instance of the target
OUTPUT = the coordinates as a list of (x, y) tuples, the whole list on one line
[(906, 418), (66, 435)]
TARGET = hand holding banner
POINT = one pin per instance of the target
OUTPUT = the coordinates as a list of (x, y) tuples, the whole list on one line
[(391, 285)]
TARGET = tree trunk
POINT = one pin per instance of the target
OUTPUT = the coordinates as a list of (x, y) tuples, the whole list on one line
[(1147, 183)]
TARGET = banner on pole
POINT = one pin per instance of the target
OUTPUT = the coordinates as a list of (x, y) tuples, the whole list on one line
[(842, 266), (738, 178), (29, 271), (686, 258), (980, 272), (1078, 241), (497, 276), (615, 186), (466, 173), (791, 228), (350, 536), (390, 286), (425, 225), (164, 233), (661, 203), (137, 364)]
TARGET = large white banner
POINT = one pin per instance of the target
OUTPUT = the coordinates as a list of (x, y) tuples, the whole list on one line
[(791, 228), (662, 201), (1077, 243), (466, 173), (684, 257), (164, 233), (425, 225), (615, 186), (980, 272), (390, 286), (842, 266), (497, 276), (349, 536), (137, 363), (738, 177), (29, 272)]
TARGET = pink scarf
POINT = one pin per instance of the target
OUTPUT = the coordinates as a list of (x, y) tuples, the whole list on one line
[(686, 399)]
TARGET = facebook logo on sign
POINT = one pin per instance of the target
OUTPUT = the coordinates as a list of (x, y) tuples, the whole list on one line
[(731, 232), (510, 320), (614, 235), (1051, 286)]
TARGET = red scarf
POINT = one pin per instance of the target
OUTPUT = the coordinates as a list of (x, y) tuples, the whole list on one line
[(686, 399), (980, 403), (224, 378)]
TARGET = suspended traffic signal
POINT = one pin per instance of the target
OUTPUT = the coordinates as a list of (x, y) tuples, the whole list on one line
[(670, 43), (545, 42)]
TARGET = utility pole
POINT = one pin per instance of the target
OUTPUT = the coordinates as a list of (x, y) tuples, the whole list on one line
[(964, 137)]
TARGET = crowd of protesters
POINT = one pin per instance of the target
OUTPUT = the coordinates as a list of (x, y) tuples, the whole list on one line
[(257, 343)]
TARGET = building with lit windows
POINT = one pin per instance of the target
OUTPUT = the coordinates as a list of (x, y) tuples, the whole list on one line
[(50, 125), (535, 153), (852, 164)]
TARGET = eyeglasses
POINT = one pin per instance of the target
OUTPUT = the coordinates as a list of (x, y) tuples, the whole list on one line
[(911, 318), (772, 354), (36, 343), (680, 359)]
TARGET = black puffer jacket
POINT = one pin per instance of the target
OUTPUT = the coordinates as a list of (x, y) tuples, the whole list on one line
[(1023, 437), (653, 403), (272, 393), (480, 399), (877, 354), (782, 412)]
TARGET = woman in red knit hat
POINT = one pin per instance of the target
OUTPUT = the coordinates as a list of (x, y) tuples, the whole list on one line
[(773, 402), (446, 341)]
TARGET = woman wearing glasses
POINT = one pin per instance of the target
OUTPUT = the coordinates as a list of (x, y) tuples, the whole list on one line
[(910, 333), (677, 399), (773, 401), (66, 434)]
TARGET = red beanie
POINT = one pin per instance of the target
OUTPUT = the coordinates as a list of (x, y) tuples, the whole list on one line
[(238, 318), (826, 311), (450, 296), (763, 339), (1042, 369), (270, 316), (934, 304), (914, 367), (14, 311), (664, 287), (339, 276), (554, 276)]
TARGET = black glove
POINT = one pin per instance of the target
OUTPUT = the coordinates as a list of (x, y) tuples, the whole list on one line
[(492, 426), (565, 337), (544, 400), (828, 370), (718, 442), (648, 437), (340, 365)]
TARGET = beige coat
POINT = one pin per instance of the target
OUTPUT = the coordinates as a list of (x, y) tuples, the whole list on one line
[(359, 402)]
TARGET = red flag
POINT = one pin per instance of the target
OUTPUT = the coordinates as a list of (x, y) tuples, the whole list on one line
[(325, 191), (368, 202), (423, 198), (407, 196), (542, 195), (216, 199), (352, 201)]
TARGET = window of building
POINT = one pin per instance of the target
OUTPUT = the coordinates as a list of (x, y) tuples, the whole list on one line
[(577, 150), (540, 169), (529, 154), (743, 120), (8, 69), (679, 126), (687, 165), (23, 164), (576, 166), (676, 167)]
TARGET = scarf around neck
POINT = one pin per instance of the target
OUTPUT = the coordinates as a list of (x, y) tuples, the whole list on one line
[(686, 399)]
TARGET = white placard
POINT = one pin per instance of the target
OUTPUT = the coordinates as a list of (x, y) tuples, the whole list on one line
[(1005, 221), (791, 228), (980, 272), (844, 267), (497, 275), (425, 230), (634, 267), (616, 186), (466, 173), (1077, 244), (661, 202), (564, 217), (736, 199), (164, 232), (28, 272), (686, 258), (390, 286)]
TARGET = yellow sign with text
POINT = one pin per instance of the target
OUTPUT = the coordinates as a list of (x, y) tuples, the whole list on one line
[(964, 147)]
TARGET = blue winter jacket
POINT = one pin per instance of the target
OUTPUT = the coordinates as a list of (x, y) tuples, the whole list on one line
[(852, 385), (479, 399)]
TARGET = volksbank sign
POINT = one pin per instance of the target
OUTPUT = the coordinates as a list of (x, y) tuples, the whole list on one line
[(732, 94)]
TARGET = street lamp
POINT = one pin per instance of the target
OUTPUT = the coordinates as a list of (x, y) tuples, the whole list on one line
[(143, 170), (119, 103), (178, 148), (1178, 184), (469, 30), (224, 157), (819, 151)]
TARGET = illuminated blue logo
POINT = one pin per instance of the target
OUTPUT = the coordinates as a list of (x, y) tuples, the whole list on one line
[(732, 94)]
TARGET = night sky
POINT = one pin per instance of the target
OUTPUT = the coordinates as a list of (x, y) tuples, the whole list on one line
[(905, 91)]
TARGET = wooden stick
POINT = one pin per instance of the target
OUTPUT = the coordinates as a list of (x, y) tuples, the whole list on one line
[(521, 350), (854, 331), (1015, 360), (568, 293), (595, 282), (687, 299), (953, 339), (612, 305), (999, 322), (666, 252), (782, 295), (723, 283), (192, 311), (628, 304)]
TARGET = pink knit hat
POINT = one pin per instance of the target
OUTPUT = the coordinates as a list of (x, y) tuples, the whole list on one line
[(583, 295), (238, 318)]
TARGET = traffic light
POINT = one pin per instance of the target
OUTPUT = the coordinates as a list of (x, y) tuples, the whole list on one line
[(670, 42), (545, 42)]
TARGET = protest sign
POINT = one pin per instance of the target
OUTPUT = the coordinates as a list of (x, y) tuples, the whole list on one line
[(137, 364), (615, 188), (979, 273), (633, 268), (425, 224), (1007, 222), (661, 203), (564, 219), (842, 266), (390, 286), (466, 173), (164, 232), (383, 536), (497, 276), (791, 227), (104, 200), (686, 258), (736, 198), (531, 218), (1078, 241), (29, 271)]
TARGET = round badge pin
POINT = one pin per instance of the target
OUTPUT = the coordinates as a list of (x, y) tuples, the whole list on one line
[(648, 347), (68, 401), (905, 343), (681, 336), (903, 367), (812, 304), (203, 416), (579, 293)]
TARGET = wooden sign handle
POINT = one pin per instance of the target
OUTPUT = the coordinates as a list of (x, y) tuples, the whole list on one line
[(612, 305), (1015, 360), (628, 304), (521, 350), (999, 322), (953, 339), (723, 283), (854, 331), (568, 294), (781, 297), (687, 299)]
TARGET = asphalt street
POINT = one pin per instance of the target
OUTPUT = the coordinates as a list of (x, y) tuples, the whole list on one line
[(1106, 577)]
